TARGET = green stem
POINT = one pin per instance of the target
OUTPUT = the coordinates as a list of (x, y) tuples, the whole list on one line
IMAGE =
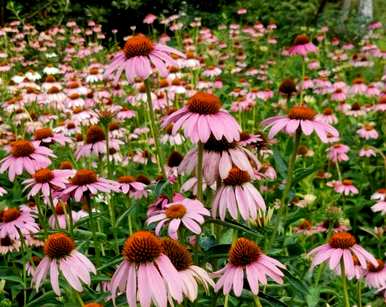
[(107, 152), (359, 290), (283, 205), (200, 154), (154, 130), (93, 229), (344, 285), (113, 226), (226, 300), (257, 301)]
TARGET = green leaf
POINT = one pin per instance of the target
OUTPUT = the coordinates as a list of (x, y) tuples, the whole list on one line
[(296, 283), (313, 297), (281, 166), (270, 300), (14, 278), (302, 173)]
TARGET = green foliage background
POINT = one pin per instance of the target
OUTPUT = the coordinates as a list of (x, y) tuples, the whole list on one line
[(121, 14)]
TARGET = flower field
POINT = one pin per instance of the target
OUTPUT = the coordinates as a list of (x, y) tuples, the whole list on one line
[(192, 166)]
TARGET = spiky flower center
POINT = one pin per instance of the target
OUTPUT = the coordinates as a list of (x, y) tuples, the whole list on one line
[(244, 252), (368, 126), (65, 165), (355, 106), (305, 225), (177, 253), (126, 179), (43, 133), (58, 245), (175, 159), (175, 211), (287, 87), (343, 240), (236, 177), (59, 208), (301, 113), (83, 177), (43, 175), (95, 134), (328, 111), (6, 241), (382, 191), (9, 215), (358, 81), (204, 103), (373, 269), (347, 182), (142, 247), (53, 90), (301, 39), (218, 145), (138, 45), (22, 148), (92, 305)]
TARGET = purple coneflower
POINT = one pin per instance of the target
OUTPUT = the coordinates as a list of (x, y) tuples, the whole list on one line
[(62, 257), (299, 117), (146, 273), (25, 155), (376, 275), (128, 185), (246, 258), (14, 220), (203, 116), (237, 195), (302, 46), (138, 56), (87, 181), (187, 211)]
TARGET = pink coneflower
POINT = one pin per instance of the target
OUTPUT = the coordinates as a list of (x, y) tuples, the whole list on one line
[(218, 159), (335, 226), (14, 220), (380, 194), (47, 136), (169, 137), (128, 185), (299, 117), (8, 245), (367, 152), (190, 275), (138, 56), (87, 181), (46, 181), (189, 212), (305, 227), (237, 195), (149, 19), (355, 110), (338, 153), (25, 155), (368, 132), (340, 249), (203, 116), (358, 272), (146, 273), (62, 257), (3, 191), (327, 117), (346, 187), (339, 95), (376, 275), (246, 258), (381, 105), (358, 87), (302, 46), (95, 143), (379, 207)]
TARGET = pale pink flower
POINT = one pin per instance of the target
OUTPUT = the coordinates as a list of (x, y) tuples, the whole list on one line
[(128, 185), (189, 212), (338, 153), (299, 117), (15, 220), (341, 248), (376, 275), (368, 132), (380, 206), (302, 46), (149, 19), (25, 155), (237, 195), (203, 116), (380, 194), (138, 56), (62, 257), (47, 136), (346, 187), (247, 260), (146, 274), (367, 152)]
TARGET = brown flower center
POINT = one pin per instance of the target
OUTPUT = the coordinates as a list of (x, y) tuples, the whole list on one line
[(9, 215), (355, 106), (302, 113), (22, 148), (83, 177), (382, 191), (126, 179), (92, 305), (59, 208), (347, 182), (218, 146), (6, 241), (142, 247), (175, 159), (65, 165), (43, 175), (204, 103), (177, 253), (305, 225), (175, 211), (95, 134), (358, 81), (287, 87), (43, 133), (301, 40), (373, 269), (368, 127), (138, 45), (58, 245), (342, 240), (53, 90), (236, 177), (328, 111), (244, 252)]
